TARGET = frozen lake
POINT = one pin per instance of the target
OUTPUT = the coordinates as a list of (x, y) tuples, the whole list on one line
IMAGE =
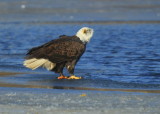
[(121, 66)]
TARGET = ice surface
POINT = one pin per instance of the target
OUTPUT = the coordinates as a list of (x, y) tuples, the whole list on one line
[(79, 10), (18, 100)]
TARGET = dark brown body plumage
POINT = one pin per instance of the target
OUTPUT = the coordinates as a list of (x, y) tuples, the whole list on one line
[(64, 51)]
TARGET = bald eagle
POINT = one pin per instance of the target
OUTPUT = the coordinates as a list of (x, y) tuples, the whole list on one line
[(59, 53)]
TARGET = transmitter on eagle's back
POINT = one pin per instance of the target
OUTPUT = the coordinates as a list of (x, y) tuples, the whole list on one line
[(59, 53)]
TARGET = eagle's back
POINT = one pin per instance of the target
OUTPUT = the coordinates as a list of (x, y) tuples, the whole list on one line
[(65, 48)]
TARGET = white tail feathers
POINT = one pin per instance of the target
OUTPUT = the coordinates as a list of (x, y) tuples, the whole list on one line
[(49, 65), (35, 63)]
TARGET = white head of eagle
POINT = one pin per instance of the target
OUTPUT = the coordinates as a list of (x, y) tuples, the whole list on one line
[(64, 51), (85, 34)]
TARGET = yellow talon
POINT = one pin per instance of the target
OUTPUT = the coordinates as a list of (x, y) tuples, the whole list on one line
[(74, 77)]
